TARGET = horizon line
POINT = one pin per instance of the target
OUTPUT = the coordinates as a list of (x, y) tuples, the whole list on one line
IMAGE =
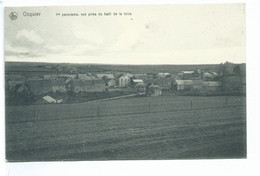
[(117, 64)]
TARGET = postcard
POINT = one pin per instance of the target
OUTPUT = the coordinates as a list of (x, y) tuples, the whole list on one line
[(125, 82)]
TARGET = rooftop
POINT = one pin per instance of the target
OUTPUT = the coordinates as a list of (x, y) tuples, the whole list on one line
[(187, 72), (189, 82), (137, 81)]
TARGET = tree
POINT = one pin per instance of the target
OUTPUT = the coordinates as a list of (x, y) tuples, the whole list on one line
[(222, 69), (236, 70)]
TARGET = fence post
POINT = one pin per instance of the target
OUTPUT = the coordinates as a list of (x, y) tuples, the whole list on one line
[(191, 105)]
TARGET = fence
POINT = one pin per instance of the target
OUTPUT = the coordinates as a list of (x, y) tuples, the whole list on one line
[(144, 105)]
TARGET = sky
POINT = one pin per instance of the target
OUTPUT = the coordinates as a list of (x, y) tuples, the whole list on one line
[(152, 34)]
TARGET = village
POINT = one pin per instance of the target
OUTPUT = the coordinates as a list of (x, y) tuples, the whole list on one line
[(72, 87)]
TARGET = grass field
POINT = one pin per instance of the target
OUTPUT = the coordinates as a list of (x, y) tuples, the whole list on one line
[(136, 128)]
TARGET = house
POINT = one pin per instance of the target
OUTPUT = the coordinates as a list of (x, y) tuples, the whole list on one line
[(187, 74), (129, 75), (188, 84), (82, 86), (143, 77), (38, 87), (211, 85), (99, 85), (163, 75), (214, 74), (138, 84), (197, 85), (137, 81), (73, 76), (153, 90), (140, 75), (164, 83), (207, 76), (104, 75), (124, 81), (88, 86), (59, 85), (49, 99), (59, 76), (180, 74), (84, 77), (111, 83)]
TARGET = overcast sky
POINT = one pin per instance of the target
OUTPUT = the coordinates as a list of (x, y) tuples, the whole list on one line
[(157, 34)]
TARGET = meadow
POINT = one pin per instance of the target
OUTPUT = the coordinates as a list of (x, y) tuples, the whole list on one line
[(165, 127)]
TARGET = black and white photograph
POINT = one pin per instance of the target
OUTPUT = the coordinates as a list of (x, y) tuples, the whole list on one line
[(125, 82)]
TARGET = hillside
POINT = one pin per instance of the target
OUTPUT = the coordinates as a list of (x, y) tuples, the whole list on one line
[(29, 67)]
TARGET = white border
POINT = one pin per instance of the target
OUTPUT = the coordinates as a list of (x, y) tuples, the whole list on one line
[(241, 167), (110, 2)]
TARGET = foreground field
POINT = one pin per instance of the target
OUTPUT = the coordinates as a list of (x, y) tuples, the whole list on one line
[(136, 128)]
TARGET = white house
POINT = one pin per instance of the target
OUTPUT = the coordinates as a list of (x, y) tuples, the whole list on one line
[(138, 81), (187, 72), (124, 81)]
